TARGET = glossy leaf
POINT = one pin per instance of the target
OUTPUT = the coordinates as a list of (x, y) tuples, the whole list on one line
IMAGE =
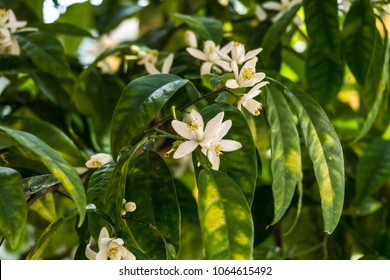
[(225, 217), (39, 150), (13, 208), (286, 162), (32, 185), (325, 152), (373, 169), (155, 224), (46, 52), (38, 249), (63, 28), (138, 105), (324, 74), (206, 28), (50, 134), (322, 23), (240, 165), (274, 34)]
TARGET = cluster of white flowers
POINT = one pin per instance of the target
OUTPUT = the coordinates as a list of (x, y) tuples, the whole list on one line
[(208, 138), (149, 58), (279, 7), (8, 26), (109, 248)]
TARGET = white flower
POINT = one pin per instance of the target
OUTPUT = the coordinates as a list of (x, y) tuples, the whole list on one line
[(281, 7), (9, 25), (238, 52), (210, 139), (109, 248), (150, 56), (190, 39), (151, 68), (260, 13), (247, 77), (211, 55), (249, 103), (98, 160), (130, 206)]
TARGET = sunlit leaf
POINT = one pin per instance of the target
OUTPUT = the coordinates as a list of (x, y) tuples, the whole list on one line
[(240, 165), (138, 105), (40, 246), (225, 217), (13, 208), (326, 153), (156, 221), (286, 162), (373, 169), (39, 150), (32, 185)]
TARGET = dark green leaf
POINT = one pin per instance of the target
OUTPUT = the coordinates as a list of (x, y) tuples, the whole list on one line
[(9, 62), (138, 105), (241, 165), (225, 217), (156, 221), (46, 52), (373, 169), (38, 183), (207, 28), (324, 75), (322, 23), (50, 134), (63, 28), (274, 34), (286, 162), (326, 153), (39, 150), (13, 208), (38, 249)]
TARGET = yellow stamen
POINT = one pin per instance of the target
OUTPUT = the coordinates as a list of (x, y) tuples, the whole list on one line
[(3, 13), (194, 125), (236, 44), (248, 73), (218, 150), (112, 252)]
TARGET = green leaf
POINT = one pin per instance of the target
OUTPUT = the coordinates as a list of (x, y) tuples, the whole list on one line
[(34, 184), (274, 34), (63, 28), (286, 162), (326, 153), (207, 28), (138, 105), (225, 217), (39, 150), (363, 47), (46, 52), (50, 134), (324, 75), (9, 62), (38, 249), (156, 221), (373, 169), (13, 208), (241, 165), (322, 23)]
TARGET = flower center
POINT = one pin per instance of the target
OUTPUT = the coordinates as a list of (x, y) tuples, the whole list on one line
[(194, 125), (218, 149), (112, 252), (248, 73), (3, 13)]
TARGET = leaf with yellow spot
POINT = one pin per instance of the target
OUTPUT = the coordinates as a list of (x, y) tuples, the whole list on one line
[(225, 217), (325, 152)]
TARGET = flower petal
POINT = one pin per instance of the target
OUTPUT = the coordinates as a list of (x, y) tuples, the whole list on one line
[(252, 53), (231, 83), (127, 255), (195, 116), (185, 148), (214, 159), (230, 145), (213, 126), (151, 69), (196, 53), (253, 106), (224, 65), (206, 68), (89, 253), (167, 64), (272, 5), (182, 129)]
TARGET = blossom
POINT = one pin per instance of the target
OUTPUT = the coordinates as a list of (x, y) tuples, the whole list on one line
[(151, 68), (209, 138), (249, 103), (190, 39), (109, 248), (211, 55), (98, 160), (130, 206), (280, 7), (247, 77), (238, 52), (9, 25)]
